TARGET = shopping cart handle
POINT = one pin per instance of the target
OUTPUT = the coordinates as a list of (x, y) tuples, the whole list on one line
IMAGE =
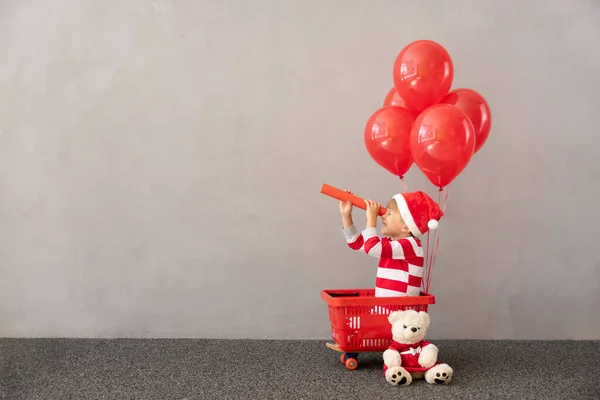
[(343, 196)]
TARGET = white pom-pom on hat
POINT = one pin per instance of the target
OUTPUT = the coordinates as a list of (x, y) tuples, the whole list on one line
[(433, 224)]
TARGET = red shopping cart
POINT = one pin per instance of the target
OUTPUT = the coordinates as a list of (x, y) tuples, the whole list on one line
[(359, 320)]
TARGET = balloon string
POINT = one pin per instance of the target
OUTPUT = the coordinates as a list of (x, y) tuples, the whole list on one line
[(445, 200), (437, 244), (432, 249), (403, 183), (426, 275), (429, 255), (429, 260)]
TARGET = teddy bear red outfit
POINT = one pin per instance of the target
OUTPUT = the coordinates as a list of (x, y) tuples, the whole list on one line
[(409, 353)]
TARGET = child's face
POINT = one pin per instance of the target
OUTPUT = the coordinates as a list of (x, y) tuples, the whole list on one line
[(393, 225)]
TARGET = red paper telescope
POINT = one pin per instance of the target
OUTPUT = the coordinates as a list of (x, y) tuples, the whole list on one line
[(343, 196)]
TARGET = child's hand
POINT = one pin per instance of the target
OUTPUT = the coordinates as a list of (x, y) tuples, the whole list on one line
[(346, 206), (372, 213)]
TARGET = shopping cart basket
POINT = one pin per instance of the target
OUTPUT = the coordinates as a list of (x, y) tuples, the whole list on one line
[(359, 320)]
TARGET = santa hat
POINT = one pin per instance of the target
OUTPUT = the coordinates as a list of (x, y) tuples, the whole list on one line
[(419, 212)]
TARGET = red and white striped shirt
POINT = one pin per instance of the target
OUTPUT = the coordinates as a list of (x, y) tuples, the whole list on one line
[(400, 270)]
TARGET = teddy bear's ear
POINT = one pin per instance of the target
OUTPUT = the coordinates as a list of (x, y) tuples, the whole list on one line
[(425, 320), (395, 316)]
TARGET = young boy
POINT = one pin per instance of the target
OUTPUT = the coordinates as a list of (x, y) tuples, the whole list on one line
[(401, 256)]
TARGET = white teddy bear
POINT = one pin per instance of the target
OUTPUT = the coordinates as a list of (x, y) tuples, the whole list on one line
[(409, 356)]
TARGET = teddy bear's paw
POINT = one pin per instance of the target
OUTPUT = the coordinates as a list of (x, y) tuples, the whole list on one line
[(398, 376), (427, 360), (440, 374)]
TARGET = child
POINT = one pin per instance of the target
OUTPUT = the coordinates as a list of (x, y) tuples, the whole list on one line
[(401, 256)]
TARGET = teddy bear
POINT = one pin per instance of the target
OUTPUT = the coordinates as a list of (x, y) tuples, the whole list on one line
[(410, 356)]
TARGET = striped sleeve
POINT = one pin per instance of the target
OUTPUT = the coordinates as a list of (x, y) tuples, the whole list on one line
[(369, 242), (376, 246), (353, 238)]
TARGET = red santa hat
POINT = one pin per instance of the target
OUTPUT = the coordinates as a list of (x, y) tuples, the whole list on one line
[(419, 212)]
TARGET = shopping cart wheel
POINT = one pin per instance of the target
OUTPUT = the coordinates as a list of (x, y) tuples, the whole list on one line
[(343, 358), (351, 363)]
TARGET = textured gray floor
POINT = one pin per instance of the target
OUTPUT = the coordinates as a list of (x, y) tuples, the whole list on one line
[(63, 369)]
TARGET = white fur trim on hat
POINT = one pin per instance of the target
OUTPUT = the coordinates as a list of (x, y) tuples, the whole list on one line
[(406, 215)]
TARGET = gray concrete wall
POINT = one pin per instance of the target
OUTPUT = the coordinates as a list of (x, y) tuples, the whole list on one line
[(161, 161)]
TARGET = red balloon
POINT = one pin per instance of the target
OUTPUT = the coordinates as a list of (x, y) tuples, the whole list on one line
[(477, 109), (387, 134), (423, 74), (393, 99), (442, 142)]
